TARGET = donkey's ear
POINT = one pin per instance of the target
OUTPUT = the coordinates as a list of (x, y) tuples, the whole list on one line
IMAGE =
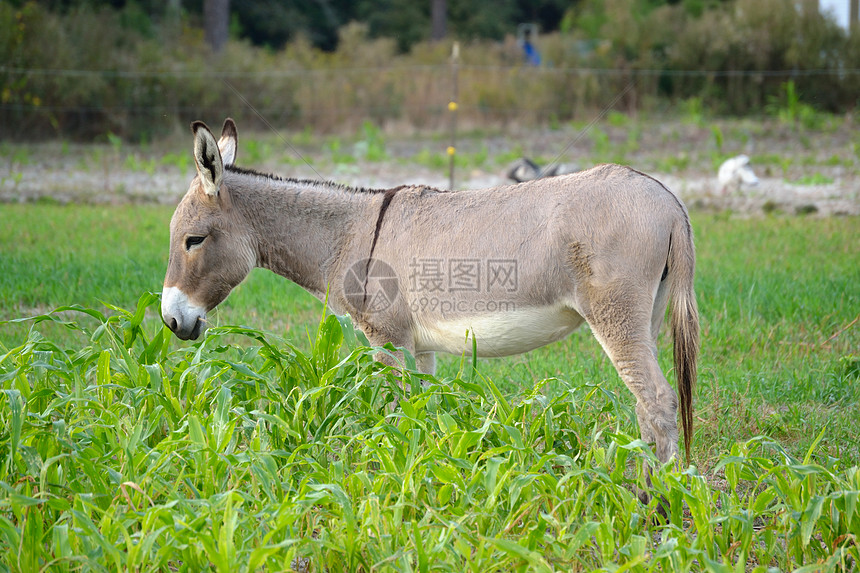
[(229, 142), (207, 158)]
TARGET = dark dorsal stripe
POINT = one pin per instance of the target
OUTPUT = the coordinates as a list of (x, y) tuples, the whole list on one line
[(386, 201)]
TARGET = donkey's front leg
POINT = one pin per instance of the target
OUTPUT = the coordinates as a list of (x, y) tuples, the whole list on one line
[(424, 361), (395, 359)]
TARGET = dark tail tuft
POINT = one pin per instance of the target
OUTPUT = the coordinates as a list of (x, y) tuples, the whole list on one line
[(685, 324)]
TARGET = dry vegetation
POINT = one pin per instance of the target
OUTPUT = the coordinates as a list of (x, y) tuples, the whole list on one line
[(140, 81)]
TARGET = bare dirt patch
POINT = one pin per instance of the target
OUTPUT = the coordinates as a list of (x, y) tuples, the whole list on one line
[(802, 171)]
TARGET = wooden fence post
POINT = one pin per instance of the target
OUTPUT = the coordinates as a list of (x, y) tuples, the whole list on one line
[(452, 108)]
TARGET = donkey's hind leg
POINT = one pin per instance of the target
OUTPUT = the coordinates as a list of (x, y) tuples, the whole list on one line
[(622, 323), (624, 330), (658, 313)]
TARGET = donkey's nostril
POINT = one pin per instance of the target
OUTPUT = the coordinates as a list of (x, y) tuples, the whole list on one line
[(173, 324)]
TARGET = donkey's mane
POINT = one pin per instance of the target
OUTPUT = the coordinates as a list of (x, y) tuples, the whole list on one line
[(319, 182), (303, 182)]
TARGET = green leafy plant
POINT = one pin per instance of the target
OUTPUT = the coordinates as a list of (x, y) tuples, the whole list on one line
[(813, 179), (693, 111), (437, 160), (256, 151), (179, 160), (372, 145), (136, 163), (338, 156), (717, 134), (123, 448), (601, 146), (259, 455), (617, 119), (789, 109)]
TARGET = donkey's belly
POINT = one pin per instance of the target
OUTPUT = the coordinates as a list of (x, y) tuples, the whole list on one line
[(498, 333)]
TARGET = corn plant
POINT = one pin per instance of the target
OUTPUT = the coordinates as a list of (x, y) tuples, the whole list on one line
[(243, 453)]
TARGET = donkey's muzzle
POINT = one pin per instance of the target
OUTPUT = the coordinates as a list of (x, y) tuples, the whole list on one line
[(186, 334), (186, 320), (193, 333)]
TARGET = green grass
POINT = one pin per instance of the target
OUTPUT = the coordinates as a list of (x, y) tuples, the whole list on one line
[(56, 255), (273, 446), (814, 179)]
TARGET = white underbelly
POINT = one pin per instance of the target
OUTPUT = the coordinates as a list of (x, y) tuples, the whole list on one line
[(497, 334)]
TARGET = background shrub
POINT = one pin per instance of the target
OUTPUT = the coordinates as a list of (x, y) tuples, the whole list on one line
[(138, 76)]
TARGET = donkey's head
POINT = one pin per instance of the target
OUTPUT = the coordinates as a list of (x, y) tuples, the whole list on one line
[(211, 246)]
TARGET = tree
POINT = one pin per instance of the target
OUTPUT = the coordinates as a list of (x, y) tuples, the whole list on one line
[(472, 19), (853, 14), (216, 23), (273, 23), (406, 21), (438, 17)]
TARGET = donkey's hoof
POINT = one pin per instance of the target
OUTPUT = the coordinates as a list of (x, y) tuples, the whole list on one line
[(662, 503)]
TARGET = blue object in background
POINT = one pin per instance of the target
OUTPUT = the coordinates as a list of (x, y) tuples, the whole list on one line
[(532, 55)]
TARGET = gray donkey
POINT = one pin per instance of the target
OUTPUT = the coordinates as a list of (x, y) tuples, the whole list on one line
[(510, 268)]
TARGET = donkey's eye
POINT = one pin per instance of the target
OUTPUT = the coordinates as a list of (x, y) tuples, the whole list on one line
[(193, 242)]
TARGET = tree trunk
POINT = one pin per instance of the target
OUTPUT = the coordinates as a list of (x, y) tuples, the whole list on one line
[(853, 14), (438, 18), (173, 18), (216, 23)]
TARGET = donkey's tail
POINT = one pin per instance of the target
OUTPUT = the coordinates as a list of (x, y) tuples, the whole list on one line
[(685, 321)]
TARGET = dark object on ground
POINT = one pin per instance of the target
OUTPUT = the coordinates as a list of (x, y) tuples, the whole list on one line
[(525, 169)]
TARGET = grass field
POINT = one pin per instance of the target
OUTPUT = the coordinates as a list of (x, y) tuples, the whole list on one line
[(270, 446)]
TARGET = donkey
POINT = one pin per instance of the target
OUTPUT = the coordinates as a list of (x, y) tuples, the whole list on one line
[(510, 268)]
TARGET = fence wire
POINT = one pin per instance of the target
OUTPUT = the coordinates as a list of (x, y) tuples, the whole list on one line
[(216, 74), (40, 103)]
